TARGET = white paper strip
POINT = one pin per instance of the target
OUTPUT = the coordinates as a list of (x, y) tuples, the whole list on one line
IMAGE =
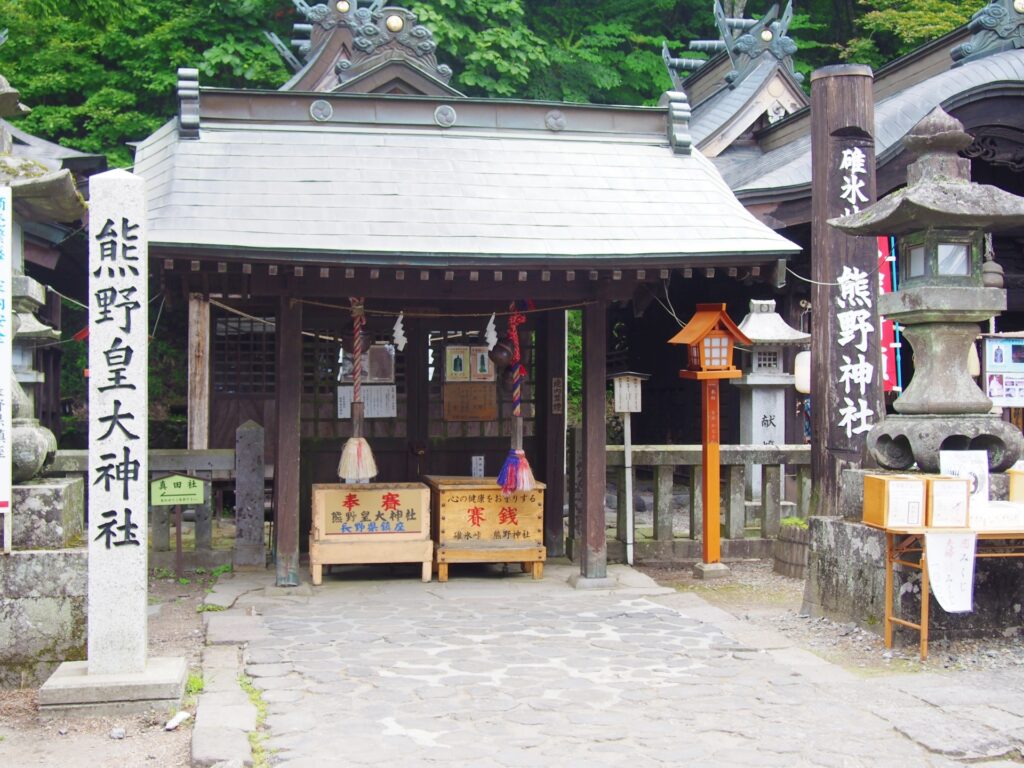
[(951, 569)]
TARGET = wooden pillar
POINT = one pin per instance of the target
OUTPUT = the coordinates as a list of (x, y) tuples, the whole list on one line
[(594, 549), (286, 460), (554, 434), (845, 326), (711, 551), (198, 372)]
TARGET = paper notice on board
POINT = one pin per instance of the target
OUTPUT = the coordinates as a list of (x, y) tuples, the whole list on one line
[(951, 568)]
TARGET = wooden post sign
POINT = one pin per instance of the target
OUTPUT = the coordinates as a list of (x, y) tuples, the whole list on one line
[(174, 491), (846, 387)]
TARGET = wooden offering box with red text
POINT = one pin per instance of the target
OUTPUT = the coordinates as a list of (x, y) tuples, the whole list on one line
[(473, 522), (370, 523)]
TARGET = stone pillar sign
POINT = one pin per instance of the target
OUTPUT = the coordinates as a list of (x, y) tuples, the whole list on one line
[(117, 675), (118, 423)]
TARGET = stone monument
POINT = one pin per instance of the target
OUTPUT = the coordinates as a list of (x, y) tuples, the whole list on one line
[(948, 284), (118, 674)]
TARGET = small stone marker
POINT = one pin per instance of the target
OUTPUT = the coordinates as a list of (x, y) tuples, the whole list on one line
[(249, 476)]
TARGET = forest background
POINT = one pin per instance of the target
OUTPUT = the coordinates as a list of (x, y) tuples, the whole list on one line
[(100, 74)]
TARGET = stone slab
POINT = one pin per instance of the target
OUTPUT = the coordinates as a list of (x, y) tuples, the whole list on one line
[(72, 690), (214, 745), (229, 628)]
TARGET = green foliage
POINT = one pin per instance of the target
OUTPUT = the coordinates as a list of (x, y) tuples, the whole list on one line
[(891, 28), (194, 684), (574, 362), (794, 522), (209, 608), (99, 74)]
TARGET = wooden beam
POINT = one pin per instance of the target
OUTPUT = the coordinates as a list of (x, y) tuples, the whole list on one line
[(286, 457), (198, 437), (594, 549)]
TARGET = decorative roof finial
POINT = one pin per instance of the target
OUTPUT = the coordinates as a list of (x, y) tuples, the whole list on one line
[(997, 27)]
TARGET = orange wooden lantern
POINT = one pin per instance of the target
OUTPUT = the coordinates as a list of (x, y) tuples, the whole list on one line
[(711, 335)]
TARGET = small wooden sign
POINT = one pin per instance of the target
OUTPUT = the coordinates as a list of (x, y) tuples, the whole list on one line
[(172, 490), (470, 402)]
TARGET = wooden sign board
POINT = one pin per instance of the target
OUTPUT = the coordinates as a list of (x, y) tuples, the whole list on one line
[(172, 490), (371, 510), (470, 401), (485, 517)]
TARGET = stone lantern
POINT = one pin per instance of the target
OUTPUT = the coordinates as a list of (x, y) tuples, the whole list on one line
[(948, 284), (764, 381)]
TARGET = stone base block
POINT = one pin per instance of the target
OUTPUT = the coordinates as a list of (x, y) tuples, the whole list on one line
[(578, 581), (42, 613), (708, 571), (190, 559), (71, 690), (49, 513)]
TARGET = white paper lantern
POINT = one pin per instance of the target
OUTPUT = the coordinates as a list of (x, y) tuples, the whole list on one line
[(802, 372)]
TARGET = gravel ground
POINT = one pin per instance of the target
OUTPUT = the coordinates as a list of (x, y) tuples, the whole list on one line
[(755, 593), (27, 739)]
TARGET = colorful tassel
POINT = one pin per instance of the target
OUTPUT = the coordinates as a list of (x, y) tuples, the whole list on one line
[(516, 475)]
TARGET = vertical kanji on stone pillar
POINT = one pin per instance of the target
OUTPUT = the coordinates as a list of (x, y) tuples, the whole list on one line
[(846, 389), (118, 421)]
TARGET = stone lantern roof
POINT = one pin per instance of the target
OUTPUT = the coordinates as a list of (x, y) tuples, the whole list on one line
[(939, 191), (764, 326), (39, 193)]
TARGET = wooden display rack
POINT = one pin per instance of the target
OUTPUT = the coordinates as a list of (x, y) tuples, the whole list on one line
[(474, 523), (904, 543), (355, 523)]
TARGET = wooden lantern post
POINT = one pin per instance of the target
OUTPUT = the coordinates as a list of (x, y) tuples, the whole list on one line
[(710, 336)]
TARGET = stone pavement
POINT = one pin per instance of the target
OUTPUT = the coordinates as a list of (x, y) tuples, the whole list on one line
[(500, 670)]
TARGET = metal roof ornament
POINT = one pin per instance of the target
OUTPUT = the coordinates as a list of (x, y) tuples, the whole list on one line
[(999, 26), (744, 41), (376, 33)]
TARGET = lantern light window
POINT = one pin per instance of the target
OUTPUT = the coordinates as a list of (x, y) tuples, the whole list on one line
[(953, 259)]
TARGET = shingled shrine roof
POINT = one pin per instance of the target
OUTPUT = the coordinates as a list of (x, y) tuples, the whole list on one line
[(429, 181)]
